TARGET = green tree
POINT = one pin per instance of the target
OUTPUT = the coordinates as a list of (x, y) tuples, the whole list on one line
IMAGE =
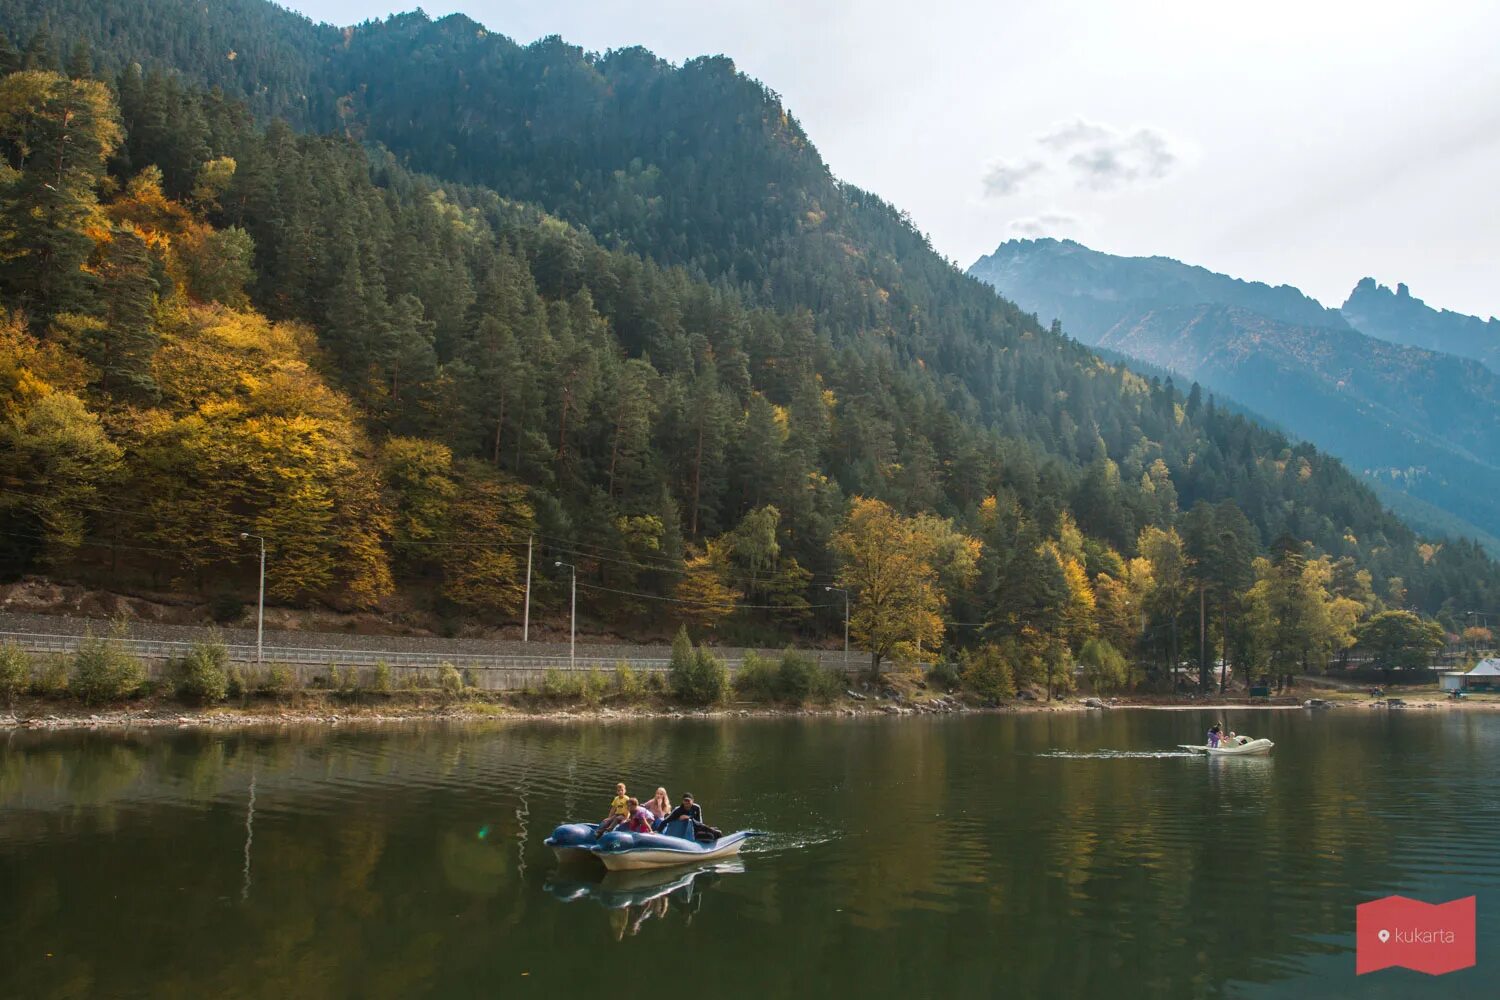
[(987, 672), (127, 340), (57, 135), (220, 265), (483, 567), (696, 676), (15, 671), (103, 671), (55, 461), (203, 675), (1103, 666), (1400, 640)]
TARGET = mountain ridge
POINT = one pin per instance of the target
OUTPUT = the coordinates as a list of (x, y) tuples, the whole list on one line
[(1398, 316), (1421, 421)]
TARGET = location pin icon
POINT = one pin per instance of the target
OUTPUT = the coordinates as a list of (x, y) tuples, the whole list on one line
[(1384, 936)]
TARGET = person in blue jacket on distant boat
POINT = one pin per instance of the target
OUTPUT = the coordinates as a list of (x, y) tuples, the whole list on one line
[(693, 813), (1215, 734)]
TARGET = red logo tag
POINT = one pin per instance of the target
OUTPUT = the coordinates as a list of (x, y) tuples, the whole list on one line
[(1431, 938)]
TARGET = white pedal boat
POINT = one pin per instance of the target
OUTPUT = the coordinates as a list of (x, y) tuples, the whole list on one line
[(1241, 746)]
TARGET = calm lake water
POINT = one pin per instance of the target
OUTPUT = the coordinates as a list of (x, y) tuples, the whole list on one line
[(1037, 856)]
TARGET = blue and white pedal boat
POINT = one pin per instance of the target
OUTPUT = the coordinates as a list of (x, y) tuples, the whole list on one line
[(574, 842), (623, 851)]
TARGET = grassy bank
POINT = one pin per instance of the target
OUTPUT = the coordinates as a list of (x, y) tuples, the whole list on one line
[(102, 684)]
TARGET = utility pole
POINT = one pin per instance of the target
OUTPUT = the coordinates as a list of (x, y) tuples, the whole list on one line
[(1203, 635), (572, 616), (846, 622), (260, 606), (526, 615)]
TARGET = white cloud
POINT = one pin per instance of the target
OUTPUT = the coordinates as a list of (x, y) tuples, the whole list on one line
[(1096, 157), (1006, 177), (1104, 159), (1063, 137), (1044, 224)]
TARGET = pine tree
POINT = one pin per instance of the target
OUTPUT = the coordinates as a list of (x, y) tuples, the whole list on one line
[(128, 343), (59, 133)]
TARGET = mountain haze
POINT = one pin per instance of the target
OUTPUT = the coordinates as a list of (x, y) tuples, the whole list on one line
[(1417, 423), (1399, 317)]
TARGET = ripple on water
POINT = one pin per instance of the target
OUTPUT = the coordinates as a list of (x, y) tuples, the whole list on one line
[(771, 842), (1115, 754)]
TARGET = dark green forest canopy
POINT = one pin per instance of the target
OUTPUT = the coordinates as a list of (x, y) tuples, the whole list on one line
[(636, 288)]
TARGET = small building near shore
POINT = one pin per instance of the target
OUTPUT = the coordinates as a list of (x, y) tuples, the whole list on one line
[(1484, 677)]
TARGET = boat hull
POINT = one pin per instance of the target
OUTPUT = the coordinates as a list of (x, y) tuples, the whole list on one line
[(1255, 748), (651, 851)]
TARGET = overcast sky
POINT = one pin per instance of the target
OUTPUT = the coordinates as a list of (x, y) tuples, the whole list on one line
[(1307, 142)]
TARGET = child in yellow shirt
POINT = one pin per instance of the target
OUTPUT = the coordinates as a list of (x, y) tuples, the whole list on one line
[(619, 809)]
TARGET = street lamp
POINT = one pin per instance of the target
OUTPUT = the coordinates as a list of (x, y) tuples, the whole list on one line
[(260, 605), (572, 615), (846, 622)]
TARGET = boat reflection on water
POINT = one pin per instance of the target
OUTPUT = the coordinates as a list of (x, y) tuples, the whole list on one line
[(633, 897)]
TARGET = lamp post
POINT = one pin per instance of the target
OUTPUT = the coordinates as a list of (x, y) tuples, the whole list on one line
[(1484, 623), (846, 622), (260, 604), (572, 615), (526, 615)]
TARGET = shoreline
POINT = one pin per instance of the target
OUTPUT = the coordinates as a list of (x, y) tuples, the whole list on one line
[(39, 715), (67, 718)]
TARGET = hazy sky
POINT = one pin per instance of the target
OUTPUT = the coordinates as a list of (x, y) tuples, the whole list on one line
[(1310, 142)]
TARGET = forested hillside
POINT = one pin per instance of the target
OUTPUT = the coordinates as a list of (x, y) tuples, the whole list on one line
[(637, 320)]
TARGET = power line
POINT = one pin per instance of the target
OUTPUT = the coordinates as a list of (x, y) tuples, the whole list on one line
[(92, 543), (550, 542)]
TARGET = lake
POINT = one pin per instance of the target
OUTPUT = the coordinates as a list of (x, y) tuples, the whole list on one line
[(1056, 854)]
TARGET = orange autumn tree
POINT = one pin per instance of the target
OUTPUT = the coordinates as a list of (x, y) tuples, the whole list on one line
[(248, 437), (899, 572), (702, 595), (484, 562)]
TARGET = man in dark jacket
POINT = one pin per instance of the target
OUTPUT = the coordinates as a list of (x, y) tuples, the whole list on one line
[(693, 813)]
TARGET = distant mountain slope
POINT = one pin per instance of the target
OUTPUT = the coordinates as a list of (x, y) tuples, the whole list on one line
[(1415, 421), (1090, 291), (1425, 423), (1402, 319)]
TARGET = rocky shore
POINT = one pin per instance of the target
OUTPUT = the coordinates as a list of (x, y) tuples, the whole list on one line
[(38, 714)]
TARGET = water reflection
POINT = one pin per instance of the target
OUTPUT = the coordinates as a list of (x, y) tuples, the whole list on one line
[(633, 897), (1039, 856)]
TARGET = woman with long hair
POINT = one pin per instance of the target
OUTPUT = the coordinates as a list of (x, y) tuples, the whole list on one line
[(659, 805)]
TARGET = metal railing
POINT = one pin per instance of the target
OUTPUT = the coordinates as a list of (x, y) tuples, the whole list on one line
[(162, 649)]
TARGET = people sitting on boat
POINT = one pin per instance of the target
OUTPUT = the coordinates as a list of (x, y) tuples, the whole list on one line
[(693, 813), (1215, 735), (658, 806), (619, 810), (639, 819)]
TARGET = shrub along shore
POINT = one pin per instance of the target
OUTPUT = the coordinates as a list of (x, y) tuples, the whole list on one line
[(102, 683)]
